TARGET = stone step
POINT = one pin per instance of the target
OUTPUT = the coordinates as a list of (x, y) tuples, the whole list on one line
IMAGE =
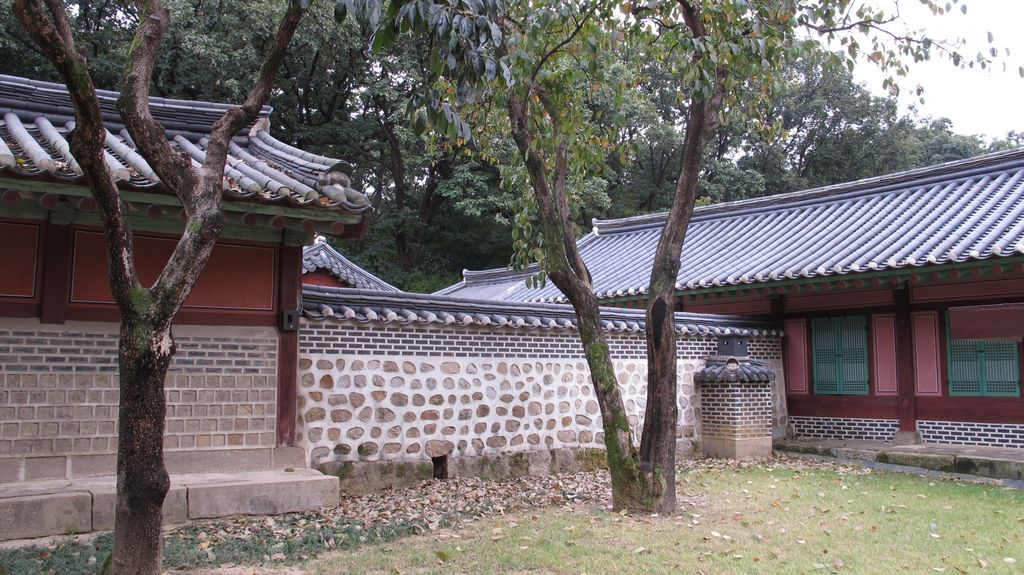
[(60, 507), (997, 463)]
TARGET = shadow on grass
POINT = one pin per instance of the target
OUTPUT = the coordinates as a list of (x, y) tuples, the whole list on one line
[(208, 545)]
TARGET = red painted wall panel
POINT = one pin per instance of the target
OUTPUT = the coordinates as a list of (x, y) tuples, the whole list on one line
[(762, 306), (883, 328), (238, 277), (868, 406), (927, 354), (972, 290), (1004, 320), (796, 356), (839, 301), (19, 265), (322, 278)]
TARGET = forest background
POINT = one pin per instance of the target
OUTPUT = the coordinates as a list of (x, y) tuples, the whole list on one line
[(440, 210)]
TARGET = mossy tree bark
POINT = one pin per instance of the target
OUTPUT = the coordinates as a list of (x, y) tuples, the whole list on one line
[(146, 342), (658, 441), (632, 486), (642, 479)]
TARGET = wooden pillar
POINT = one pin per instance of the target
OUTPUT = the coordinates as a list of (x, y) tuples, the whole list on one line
[(778, 307), (905, 361), (289, 288), (57, 246)]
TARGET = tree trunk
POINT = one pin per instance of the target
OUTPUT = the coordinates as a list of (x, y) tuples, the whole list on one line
[(658, 443), (146, 344), (142, 480), (633, 487)]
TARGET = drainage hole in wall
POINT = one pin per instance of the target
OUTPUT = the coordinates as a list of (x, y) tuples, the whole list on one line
[(440, 467)]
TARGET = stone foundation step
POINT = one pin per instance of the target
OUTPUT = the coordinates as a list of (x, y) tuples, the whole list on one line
[(995, 462), (60, 507)]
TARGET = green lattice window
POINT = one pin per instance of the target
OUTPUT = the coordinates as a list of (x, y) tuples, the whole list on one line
[(840, 355), (983, 367)]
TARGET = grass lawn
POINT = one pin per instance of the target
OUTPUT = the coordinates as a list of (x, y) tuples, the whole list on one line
[(784, 518)]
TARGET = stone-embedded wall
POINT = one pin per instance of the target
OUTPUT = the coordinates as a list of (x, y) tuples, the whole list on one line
[(59, 393), (387, 392)]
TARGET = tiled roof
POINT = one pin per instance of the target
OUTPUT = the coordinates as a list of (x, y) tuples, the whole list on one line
[(323, 303), (716, 370), (950, 213), (36, 116), (321, 256)]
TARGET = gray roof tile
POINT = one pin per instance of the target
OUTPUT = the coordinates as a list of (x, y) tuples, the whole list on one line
[(321, 256), (324, 303), (37, 116), (950, 213)]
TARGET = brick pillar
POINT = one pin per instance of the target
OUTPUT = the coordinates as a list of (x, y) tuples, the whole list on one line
[(735, 403)]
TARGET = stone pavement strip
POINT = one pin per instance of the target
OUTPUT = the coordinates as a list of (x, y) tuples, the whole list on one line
[(1005, 464)]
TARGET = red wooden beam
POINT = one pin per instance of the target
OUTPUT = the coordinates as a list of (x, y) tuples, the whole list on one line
[(906, 406), (56, 274), (87, 204), (337, 229), (49, 201), (289, 288)]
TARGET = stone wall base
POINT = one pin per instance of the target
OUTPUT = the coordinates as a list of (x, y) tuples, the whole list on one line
[(37, 468), (360, 477), (737, 448)]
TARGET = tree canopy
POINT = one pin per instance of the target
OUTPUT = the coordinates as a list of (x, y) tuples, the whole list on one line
[(447, 210)]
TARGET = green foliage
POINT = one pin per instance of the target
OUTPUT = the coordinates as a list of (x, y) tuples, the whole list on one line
[(424, 121)]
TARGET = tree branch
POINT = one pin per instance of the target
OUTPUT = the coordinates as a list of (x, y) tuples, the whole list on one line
[(52, 32), (206, 218)]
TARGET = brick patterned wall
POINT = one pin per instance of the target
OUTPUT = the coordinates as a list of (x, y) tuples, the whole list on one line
[(968, 433), (736, 410), (58, 388), (765, 348), (357, 339), (845, 427)]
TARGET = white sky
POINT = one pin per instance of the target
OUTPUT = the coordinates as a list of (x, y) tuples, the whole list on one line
[(987, 102)]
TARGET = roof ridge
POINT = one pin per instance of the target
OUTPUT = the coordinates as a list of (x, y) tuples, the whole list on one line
[(472, 276), (872, 185), (51, 98), (310, 251), (402, 300)]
